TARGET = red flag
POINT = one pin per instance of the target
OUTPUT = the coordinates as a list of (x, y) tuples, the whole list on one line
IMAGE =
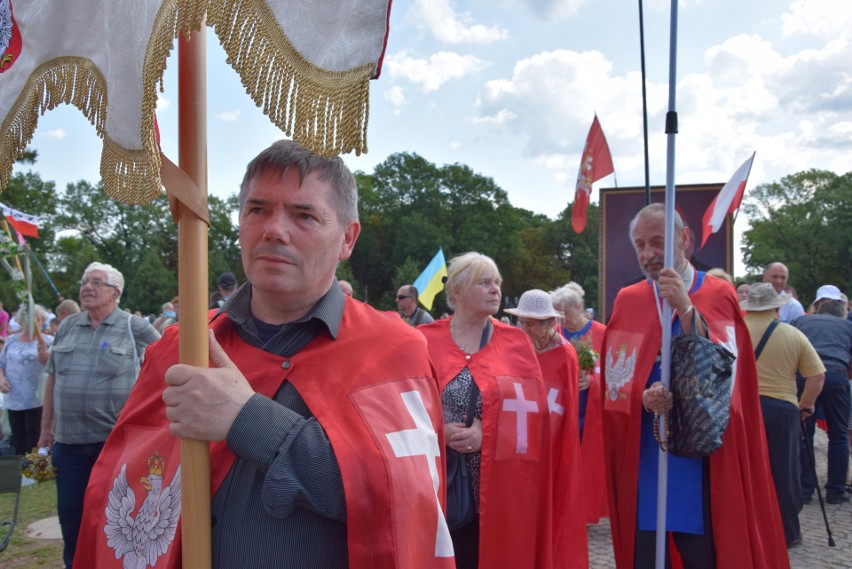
[(594, 165), (24, 223), (726, 201)]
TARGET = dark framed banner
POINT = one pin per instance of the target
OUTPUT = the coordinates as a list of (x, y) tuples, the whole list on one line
[(619, 266)]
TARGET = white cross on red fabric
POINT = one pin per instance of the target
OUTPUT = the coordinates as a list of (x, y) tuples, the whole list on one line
[(422, 440), (522, 407), (552, 405)]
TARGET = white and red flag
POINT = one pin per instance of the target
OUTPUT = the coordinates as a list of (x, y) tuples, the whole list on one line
[(595, 163), (726, 201), (24, 223)]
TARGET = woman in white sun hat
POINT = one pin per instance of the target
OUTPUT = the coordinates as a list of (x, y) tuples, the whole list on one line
[(560, 370)]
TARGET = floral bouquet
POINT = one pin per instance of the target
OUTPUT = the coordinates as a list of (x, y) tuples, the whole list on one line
[(586, 355), (37, 465)]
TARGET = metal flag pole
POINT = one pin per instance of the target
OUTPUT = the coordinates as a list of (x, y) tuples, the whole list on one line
[(44, 272), (668, 261), (644, 104)]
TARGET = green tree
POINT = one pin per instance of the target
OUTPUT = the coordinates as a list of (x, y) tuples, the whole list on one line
[(224, 239), (410, 207), (803, 221), (28, 193)]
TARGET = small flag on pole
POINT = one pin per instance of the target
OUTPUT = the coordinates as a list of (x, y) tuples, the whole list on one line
[(430, 282), (595, 163), (726, 201), (24, 223)]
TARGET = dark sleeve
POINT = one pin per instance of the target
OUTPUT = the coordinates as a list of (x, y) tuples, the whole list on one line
[(295, 455)]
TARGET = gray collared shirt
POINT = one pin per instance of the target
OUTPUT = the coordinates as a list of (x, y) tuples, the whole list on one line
[(94, 371), (282, 503)]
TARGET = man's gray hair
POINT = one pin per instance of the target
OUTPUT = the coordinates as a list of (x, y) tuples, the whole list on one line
[(283, 154), (113, 275), (656, 209)]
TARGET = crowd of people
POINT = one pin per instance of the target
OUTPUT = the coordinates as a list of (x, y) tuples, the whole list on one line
[(331, 424)]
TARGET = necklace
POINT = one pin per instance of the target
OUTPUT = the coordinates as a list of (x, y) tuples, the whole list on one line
[(547, 342), (456, 336)]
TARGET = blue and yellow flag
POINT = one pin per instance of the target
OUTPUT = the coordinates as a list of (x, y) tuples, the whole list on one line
[(430, 282)]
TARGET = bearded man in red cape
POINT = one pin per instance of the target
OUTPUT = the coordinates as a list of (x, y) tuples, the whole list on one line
[(721, 510), (324, 414)]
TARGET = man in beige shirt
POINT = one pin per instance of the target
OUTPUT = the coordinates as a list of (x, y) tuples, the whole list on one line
[(785, 351)]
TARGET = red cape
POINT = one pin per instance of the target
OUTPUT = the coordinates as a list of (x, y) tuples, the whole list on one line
[(392, 499), (592, 445), (515, 517), (746, 521), (560, 371)]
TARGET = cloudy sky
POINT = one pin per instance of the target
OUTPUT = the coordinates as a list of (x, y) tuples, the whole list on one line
[(509, 87)]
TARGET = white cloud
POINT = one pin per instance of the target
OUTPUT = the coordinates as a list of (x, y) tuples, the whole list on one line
[(229, 116), (821, 18), (396, 97), (432, 72), (550, 10), (162, 103), (57, 134), (501, 117), (549, 91), (448, 26)]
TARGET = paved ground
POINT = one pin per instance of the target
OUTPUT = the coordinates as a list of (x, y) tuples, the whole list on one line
[(814, 553)]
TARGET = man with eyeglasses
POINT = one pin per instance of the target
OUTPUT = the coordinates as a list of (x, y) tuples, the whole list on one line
[(93, 365), (406, 303)]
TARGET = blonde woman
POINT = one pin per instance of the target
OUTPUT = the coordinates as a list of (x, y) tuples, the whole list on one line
[(506, 448), (21, 365)]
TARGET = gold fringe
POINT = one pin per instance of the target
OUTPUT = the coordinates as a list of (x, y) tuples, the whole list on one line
[(327, 111), (131, 176), (70, 80)]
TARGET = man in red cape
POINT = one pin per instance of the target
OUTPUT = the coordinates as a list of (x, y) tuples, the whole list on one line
[(326, 444), (734, 483)]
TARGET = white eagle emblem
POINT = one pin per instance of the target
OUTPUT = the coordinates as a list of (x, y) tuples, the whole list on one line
[(141, 540), (619, 370)]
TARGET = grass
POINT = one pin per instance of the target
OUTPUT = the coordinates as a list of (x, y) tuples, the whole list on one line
[(38, 501)]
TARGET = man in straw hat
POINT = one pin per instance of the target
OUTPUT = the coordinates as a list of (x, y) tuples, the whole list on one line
[(782, 351), (831, 336), (725, 513)]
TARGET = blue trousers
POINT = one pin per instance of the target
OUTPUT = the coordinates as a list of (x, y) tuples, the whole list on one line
[(835, 403), (74, 465)]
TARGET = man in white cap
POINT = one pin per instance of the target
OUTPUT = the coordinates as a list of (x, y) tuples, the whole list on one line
[(831, 335), (781, 351)]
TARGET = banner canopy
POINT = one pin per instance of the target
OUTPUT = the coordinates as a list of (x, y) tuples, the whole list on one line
[(309, 71)]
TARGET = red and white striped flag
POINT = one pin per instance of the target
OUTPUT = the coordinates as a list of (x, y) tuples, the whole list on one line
[(595, 163), (726, 201), (24, 223)]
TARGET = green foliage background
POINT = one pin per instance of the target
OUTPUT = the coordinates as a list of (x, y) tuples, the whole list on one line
[(409, 207)]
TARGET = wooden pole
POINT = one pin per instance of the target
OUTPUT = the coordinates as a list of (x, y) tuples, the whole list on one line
[(192, 291)]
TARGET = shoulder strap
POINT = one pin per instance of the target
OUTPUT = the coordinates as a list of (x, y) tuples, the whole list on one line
[(133, 343), (474, 389), (764, 339)]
